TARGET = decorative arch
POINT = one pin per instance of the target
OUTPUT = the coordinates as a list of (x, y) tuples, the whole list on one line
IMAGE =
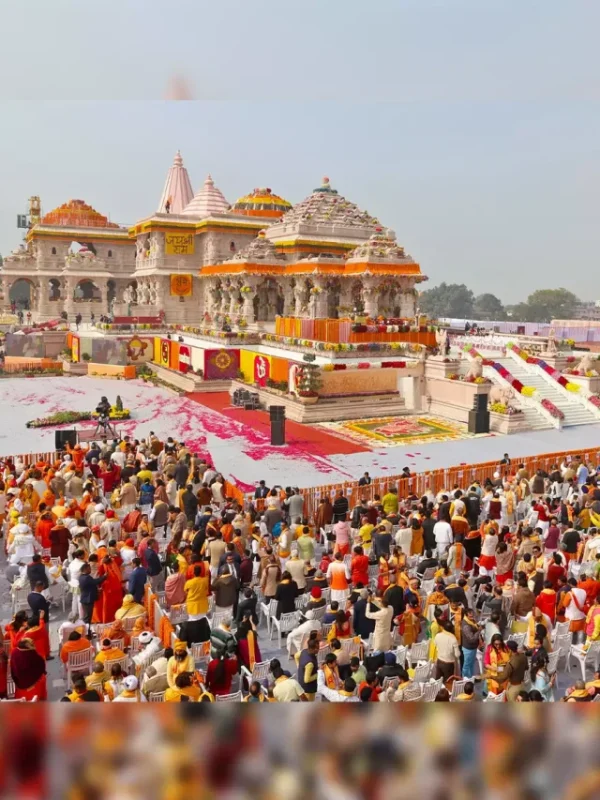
[(87, 291), (22, 293)]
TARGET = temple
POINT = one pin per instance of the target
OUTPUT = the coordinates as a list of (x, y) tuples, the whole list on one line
[(199, 258)]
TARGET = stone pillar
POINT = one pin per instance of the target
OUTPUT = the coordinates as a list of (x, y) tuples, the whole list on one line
[(318, 299), (233, 302), (288, 299), (370, 297), (6, 284), (69, 303), (103, 310)]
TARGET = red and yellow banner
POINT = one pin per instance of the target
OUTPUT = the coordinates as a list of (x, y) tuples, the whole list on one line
[(182, 285)]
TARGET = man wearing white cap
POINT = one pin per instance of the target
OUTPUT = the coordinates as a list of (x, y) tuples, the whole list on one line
[(309, 624), (130, 693), (149, 646), (97, 517)]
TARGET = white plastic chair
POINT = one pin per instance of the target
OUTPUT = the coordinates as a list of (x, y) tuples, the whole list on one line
[(80, 661), (123, 662), (560, 629), (351, 647), (200, 650), (260, 672), (418, 652), (519, 638), (129, 622), (325, 628), (495, 698), (319, 613), (457, 688), (413, 693), (390, 682), (156, 697), (401, 655), (19, 599), (322, 654), (553, 660), (268, 611), (431, 689), (218, 617), (562, 645), (301, 601), (178, 614), (234, 697), (422, 673), (583, 657), (285, 624)]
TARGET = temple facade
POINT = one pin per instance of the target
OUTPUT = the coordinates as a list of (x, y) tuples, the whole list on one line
[(199, 258)]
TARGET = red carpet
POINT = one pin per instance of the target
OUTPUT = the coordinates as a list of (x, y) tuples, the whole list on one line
[(316, 440)]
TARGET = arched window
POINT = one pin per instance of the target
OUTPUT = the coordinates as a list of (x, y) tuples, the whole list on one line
[(54, 251), (110, 254)]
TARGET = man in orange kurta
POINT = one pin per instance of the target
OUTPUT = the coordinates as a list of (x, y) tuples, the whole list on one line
[(108, 652), (42, 529), (74, 644)]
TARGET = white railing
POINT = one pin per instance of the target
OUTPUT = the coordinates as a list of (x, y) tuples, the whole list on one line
[(579, 398)]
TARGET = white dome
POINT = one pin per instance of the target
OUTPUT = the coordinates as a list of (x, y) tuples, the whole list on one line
[(208, 201)]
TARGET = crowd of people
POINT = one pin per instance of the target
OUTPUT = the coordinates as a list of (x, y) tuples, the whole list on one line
[(471, 592)]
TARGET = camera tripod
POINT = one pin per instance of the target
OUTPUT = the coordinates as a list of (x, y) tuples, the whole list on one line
[(104, 427)]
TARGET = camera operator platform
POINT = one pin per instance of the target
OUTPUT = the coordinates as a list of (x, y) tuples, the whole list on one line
[(104, 427)]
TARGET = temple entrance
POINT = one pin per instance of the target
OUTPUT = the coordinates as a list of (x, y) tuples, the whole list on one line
[(333, 298), (357, 297), (21, 294), (266, 301), (111, 292), (87, 291), (54, 289)]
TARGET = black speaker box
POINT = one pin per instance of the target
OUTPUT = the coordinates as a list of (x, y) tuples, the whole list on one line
[(480, 402), (479, 422), (64, 436), (277, 412)]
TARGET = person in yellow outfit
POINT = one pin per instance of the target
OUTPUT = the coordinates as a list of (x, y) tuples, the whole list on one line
[(390, 501), (196, 593), (129, 608), (183, 690), (109, 653), (181, 661)]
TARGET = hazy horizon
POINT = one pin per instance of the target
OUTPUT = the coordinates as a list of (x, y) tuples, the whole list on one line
[(473, 132)]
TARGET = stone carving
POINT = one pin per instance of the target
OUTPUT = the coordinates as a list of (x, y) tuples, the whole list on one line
[(500, 394), (551, 347), (475, 370), (441, 337), (587, 364)]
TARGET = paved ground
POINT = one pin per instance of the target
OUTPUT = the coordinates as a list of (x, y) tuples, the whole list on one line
[(241, 453)]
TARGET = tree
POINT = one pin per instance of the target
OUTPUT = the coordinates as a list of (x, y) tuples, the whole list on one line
[(448, 300), (488, 307), (548, 304)]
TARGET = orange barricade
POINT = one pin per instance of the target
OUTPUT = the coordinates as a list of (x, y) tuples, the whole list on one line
[(452, 477)]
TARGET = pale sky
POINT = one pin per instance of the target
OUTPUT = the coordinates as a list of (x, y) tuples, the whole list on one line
[(470, 127)]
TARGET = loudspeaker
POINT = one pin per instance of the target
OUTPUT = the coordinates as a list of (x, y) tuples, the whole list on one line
[(64, 436), (277, 414), (480, 402), (479, 422)]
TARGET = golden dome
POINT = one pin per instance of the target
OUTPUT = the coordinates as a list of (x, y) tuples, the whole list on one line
[(77, 214), (261, 203)]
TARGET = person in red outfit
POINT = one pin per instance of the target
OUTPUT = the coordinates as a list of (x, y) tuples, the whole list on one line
[(546, 601), (219, 675), (359, 567), (556, 570)]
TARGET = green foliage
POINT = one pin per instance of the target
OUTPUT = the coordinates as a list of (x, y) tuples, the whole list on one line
[(448, 300), (487, 306), (548, 304)]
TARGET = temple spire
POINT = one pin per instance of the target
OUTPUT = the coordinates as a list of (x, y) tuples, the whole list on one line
[(178, 190)]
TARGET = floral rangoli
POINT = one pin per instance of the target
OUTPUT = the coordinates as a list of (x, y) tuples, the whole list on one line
[(392, 431)]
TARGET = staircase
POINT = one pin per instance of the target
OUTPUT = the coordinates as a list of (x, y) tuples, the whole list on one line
[(575, 413)]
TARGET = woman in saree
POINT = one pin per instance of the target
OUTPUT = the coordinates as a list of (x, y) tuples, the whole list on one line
[(28, 671), (248, 649), (341, 627), (174, 588), (417, 542), (111, 592), (16, 630), (409, 623), (496, 656)]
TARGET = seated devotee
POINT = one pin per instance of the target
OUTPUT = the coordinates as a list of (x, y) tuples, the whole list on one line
[(108, 652), (181, 661), (183, 690), (149, 645), (81, 693), (155, 676), (76, 643), (131, 692), (129, 608)]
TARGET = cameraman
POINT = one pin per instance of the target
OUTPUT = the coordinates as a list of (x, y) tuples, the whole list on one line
[(103, 409)]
